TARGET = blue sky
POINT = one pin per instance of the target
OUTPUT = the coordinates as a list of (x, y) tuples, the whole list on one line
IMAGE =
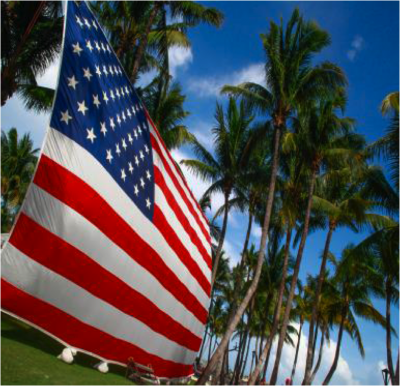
[(365, 43)]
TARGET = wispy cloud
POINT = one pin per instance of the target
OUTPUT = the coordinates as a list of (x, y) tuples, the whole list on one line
[(357, 45), (211, 86), (179, 58)]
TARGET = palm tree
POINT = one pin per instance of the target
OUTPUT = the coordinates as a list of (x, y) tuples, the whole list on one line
[(391, 103), (18, 160), (301, 311), (321, 135), (164, 103), (341, 201), (31, 39), (355, 279), (388, 145), (383, 245), (290, 79), (233, 142), (127, 23), (141, 36)]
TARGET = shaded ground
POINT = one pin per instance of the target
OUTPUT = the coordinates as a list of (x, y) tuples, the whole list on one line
[(29, 357)]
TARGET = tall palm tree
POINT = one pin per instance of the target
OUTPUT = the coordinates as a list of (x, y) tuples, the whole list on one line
[(164, 103), (383, 245), (355, 280), (31, 35), (18, 160), (321, 135), (290, 79), (233, 142), (343, 204)]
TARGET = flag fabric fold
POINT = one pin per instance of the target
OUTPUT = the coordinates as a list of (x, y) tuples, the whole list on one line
[(111, 253)]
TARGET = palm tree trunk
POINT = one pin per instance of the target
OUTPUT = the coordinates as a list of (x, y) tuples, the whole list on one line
[(248, 340), (246, 358), (221, 240), (321, 347), (297, 351), (266, 363), (296, 270), (209, 348), (309, 360), (396, 376), (314, 342), (203, 343), (337, 353), (252, 288), (143, 40), (389, 333), (241, 348), (277, 312)]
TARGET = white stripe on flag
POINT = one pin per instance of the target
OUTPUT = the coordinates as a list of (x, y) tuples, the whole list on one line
[(77, 160), (178, 228), (46, 285), (63, 221), (178, 176), (171, 186)]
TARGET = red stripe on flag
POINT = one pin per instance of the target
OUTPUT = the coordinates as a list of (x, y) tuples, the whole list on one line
[(81, 335), (155, 145), (159, 180), (161, 223), (71, 263), (173, 162), (78, 195)]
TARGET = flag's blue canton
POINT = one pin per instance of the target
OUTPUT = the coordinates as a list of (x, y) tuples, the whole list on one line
[(97, 107)]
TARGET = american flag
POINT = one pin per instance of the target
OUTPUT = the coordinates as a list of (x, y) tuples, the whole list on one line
[(111, 254)]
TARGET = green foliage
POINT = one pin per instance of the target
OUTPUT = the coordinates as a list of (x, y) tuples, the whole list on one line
[(28, 48), (18, 160)]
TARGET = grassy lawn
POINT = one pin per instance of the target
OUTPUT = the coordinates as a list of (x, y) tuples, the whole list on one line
[(29, 357)]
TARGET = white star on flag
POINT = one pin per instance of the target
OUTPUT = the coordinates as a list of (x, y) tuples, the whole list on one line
[(77, 49), (103, 128), (90, 135), (87, 74), (81, 107), (96, 101), (78, 20), (72, 82), (89, 46), (109, 156), (65, 117), (123, 175)]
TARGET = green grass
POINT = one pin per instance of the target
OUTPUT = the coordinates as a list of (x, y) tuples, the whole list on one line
[(29, 357)]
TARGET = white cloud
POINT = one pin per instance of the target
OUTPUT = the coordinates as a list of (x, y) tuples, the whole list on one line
[(256, 231), (211, 86), (50, 77), (342, 376), (232, 251), (357, 45), (179, 57)]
